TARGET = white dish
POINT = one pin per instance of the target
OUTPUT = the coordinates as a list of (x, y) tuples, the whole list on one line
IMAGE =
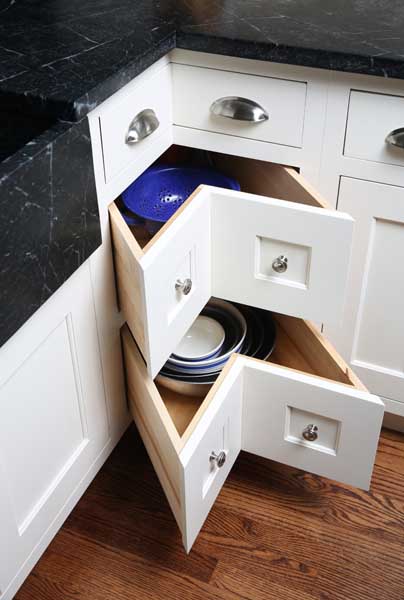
[(204, 339), (239, 322)]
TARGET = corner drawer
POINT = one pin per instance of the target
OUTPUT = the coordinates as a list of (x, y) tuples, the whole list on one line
[(371, 118), (197, 88), (144, 108), (281, 246), (261, 407)]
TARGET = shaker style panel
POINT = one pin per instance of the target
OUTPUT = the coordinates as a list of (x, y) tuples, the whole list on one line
[(375, 128), (130, 126), (372, 331), (163, 286), (248, 106)]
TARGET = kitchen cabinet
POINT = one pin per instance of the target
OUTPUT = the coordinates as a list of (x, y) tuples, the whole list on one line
[(259, 406), (54, 430)]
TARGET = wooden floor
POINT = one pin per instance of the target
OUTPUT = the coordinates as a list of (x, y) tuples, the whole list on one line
[(274, 532)]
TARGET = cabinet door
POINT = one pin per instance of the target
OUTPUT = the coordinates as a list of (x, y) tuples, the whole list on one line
[(251, 234), (311, 423), (371, 336), (157, 309), (53, 423)]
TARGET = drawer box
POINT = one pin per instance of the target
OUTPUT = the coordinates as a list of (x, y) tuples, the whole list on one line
[(197, 88), (260, 407), (371, 117), (152, 94), (227, 243)]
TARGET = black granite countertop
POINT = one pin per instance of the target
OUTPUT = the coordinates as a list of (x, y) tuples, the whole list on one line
[(59, 59)]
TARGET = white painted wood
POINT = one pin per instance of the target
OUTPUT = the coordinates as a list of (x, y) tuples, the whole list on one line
[(307, 158), (130, 162), (278, 402), (115, 118), (371, 117), (249, 232), (195, 89), (53, 422), (372, 332), (219, 429), (182, 251)]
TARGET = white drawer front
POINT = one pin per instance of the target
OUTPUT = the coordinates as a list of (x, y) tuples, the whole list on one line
[(250, 232), (278, 405), (371, 117), (219, 430), (115, 119), (196, 88)]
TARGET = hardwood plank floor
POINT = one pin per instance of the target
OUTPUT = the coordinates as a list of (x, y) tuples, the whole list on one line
[(274, 533)]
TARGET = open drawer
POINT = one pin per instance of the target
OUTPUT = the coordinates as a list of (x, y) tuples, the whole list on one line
[(276, 245), (304, 407)]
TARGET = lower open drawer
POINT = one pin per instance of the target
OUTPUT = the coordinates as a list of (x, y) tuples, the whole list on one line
[(303, 407)]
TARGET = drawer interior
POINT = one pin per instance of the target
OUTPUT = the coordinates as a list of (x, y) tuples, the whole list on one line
[(299, 346), (255, 177)]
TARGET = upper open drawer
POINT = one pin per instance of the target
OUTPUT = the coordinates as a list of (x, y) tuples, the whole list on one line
[(281, 250)]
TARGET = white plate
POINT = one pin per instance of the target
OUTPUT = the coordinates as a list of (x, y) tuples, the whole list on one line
[(203, 339)]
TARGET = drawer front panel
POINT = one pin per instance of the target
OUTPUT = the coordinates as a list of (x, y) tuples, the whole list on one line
[(115, 120), (157, 309), (251, 234), (310, 423), (219, 430), (371, 117), (196, 88)]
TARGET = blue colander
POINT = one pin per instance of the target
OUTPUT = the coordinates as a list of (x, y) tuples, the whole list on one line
[(155, 196)]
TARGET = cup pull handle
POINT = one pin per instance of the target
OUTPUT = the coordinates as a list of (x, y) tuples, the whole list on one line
[(143, 125), (396, 138), (239, 109)]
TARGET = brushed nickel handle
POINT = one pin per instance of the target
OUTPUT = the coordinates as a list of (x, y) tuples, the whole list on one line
[(396, 138), (280, 264), (219, 458), (239, 109), (143, 125), (310, 432), (184, 285)]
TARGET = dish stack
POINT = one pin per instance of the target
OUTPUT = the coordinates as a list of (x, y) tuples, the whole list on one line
[(221, 329)]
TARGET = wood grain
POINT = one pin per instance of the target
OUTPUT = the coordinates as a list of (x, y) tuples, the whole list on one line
[(274, 533)]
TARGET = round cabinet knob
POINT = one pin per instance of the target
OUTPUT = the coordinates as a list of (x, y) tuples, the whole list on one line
[(219, 458), (184, 285), (280, 264), (310, 433)]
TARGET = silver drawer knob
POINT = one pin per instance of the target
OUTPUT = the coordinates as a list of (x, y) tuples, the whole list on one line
[(219, 458), (239, 109), (310, 432), (396, 138), (184, 285), (280, 264), (143, 125)]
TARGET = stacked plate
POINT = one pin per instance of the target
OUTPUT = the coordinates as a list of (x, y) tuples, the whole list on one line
[(221, 329)]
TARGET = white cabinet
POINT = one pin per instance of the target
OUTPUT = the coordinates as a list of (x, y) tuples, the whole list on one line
[(371, 335), (53, 424)]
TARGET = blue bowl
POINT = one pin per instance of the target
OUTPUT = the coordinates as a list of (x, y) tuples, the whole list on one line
[(155, 196)]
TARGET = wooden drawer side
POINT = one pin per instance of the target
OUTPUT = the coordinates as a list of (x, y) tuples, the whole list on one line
[(153, 421)]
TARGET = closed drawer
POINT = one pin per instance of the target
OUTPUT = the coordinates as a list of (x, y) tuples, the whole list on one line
[(228, 244), (145, 109), (196, 89), (258, 406), (371, 118)]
